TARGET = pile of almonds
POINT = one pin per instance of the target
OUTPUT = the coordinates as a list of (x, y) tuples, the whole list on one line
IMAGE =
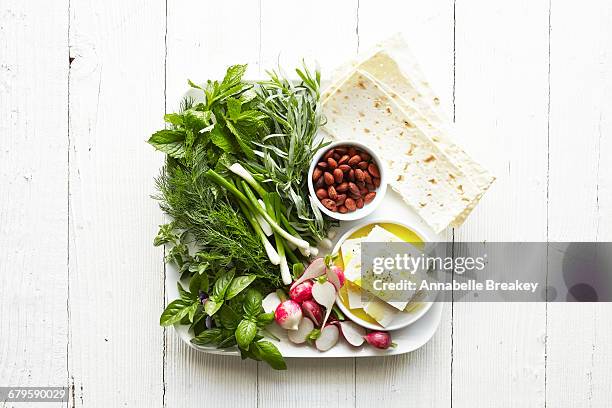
[(346, 179)]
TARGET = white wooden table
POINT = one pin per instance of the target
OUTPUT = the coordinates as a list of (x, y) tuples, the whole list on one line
[(83, 83)]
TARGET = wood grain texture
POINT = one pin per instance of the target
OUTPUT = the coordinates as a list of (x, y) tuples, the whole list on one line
[(33, 199), (580, 207), (501, 98), (421, 378), (116, 101), (200, 46)]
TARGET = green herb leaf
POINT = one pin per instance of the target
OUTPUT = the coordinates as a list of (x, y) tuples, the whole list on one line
[(233, 108), (212, 305), (171, 142), (207, 337), (165, 235), (298, 270), (314, 334), (198, 283), (245, 332), (252, 304), (176, 310), (222, 284), (233, 76), (184, 294), (265, 319), (268, 352), (228, 318), (238, 284), (174, 118), (221, 139)]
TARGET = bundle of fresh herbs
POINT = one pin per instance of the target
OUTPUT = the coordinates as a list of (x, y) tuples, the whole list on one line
[(234, 186)]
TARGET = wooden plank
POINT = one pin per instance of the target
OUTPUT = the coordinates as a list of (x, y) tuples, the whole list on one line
[(324, 32), (203, 39), (410, 380), (116, 101), (579, 356), (33, 203), (501, 100)]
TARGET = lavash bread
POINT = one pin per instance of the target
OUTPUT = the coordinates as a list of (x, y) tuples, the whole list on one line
[(394, 69), (435, 187)]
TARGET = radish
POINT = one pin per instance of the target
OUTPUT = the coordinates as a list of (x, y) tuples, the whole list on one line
[(270, 302), (353, 333), (378, 339), (301, 292), (328, 338), (312, 310), (335, 275), (288, 315), (325, 295), (300, 335), (315, 269)]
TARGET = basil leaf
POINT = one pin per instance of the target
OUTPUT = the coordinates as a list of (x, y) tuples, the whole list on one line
[(171, 142), (265, 318), (212, 305), (184, 294), (228, 318), (222, 284), (176, 310), (245, 332), (198, 283), (210, 336), (268, 352), (252, 304), (238, 285)]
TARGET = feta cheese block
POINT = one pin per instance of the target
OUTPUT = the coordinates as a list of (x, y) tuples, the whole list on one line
[(380, 311)]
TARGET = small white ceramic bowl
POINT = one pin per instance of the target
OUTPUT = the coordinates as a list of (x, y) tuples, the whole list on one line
[(360, 212), (403, 319)]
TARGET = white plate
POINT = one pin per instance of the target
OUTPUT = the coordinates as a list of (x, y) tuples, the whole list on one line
[(402, 319), (407, 339)]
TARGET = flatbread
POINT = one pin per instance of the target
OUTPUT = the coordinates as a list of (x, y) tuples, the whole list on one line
[(428, 181), (393, 67)]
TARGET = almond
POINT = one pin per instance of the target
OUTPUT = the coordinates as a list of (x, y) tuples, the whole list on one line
[(329, 179), (365, 156), (344, 167), (338, 176), (320, 182), (352, 151), (353, 161), (342, 187), (359, 175), (336, 156), (350, 204), (321, 193), (329, 154), (341, 150), (329, 204), (354, 189), (363, 165), (373, 170), (332, 163), (342, 209), (351, 175), (363, 190), (344, 159), (341, 198), (370, 186), (369, 197), (376, 181), (322, 165), (316, 173), (359, 203), (331, 193), (367, 178)]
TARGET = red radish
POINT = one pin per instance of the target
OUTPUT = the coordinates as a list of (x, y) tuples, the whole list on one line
[(325, 295), (328, 338), (312, 310), (270, 302), (300, 335), (353, 333), (288, 315), (315, 269), (301, 292), (378, 339), (335, 275)]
